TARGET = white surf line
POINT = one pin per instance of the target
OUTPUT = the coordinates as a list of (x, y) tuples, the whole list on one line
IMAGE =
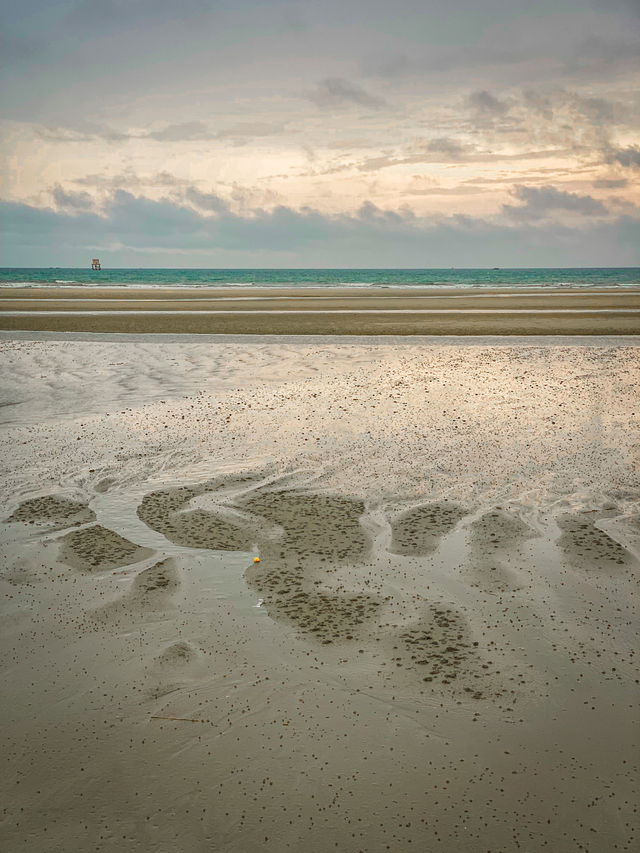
[(285, 297), (260, 312)]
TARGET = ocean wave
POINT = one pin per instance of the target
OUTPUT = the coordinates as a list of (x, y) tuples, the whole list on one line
[(357, 284), (20, 284), (233, 284)]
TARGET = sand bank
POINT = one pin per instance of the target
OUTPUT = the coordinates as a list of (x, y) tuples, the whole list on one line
[(435, 651), (328, 311)]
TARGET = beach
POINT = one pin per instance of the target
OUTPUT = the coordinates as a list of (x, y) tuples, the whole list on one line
[(333, 593), (323, 311), (320, 427)]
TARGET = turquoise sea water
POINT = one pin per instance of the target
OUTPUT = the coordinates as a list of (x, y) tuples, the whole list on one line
[(463, 278)]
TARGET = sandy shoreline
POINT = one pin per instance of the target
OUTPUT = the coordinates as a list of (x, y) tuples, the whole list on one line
[(338, 311), (436, 650)]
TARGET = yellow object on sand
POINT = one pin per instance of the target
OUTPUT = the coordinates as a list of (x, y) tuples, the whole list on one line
[(256, 559)]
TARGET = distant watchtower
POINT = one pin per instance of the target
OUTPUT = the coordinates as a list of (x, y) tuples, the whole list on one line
[(95, 264)]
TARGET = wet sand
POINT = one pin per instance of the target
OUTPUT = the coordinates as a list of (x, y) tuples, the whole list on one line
[(328, 311), (434, 650)]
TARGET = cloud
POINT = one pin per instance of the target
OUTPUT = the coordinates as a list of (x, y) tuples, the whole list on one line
[(627, 157), (596, 110), (486, 104), (540, 201), (559, 118), (419, 188), (136, 230), (610, 183), (131, 180), (337, 92), (187, 131), (515, 44), (602, 55), (450, 148), (206, 201), (90, 132), (440, 150), (539, 104), (84, 132), (243, 132), (72, 201), (115, 14)]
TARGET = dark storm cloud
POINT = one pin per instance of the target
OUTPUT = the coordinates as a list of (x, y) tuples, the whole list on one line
[(139, 227)]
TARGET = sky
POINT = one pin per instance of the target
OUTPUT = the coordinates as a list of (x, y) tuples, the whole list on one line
[(413, 133)]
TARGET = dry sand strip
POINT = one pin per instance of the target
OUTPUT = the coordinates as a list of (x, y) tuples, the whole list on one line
[(337, 311)]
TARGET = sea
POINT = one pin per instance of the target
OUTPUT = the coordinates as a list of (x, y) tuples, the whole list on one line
[(304, 278)]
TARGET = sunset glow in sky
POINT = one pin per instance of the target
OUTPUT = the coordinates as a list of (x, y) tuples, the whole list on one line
[(367, 133)]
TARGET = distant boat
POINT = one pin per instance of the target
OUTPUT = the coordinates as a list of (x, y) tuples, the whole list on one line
[(95, 264)]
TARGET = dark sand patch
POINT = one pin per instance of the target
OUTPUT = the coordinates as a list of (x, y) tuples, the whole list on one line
[(177, 655), (53, 510), (440, 646), (494, 542), (329, 617), (314, 525), (175, 666), (439, 649), (498, 531), (318, 532), (417, 532), (159, 580), (300, 536), (97, 548), (588, 547), (163, 511), (150, 594)]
